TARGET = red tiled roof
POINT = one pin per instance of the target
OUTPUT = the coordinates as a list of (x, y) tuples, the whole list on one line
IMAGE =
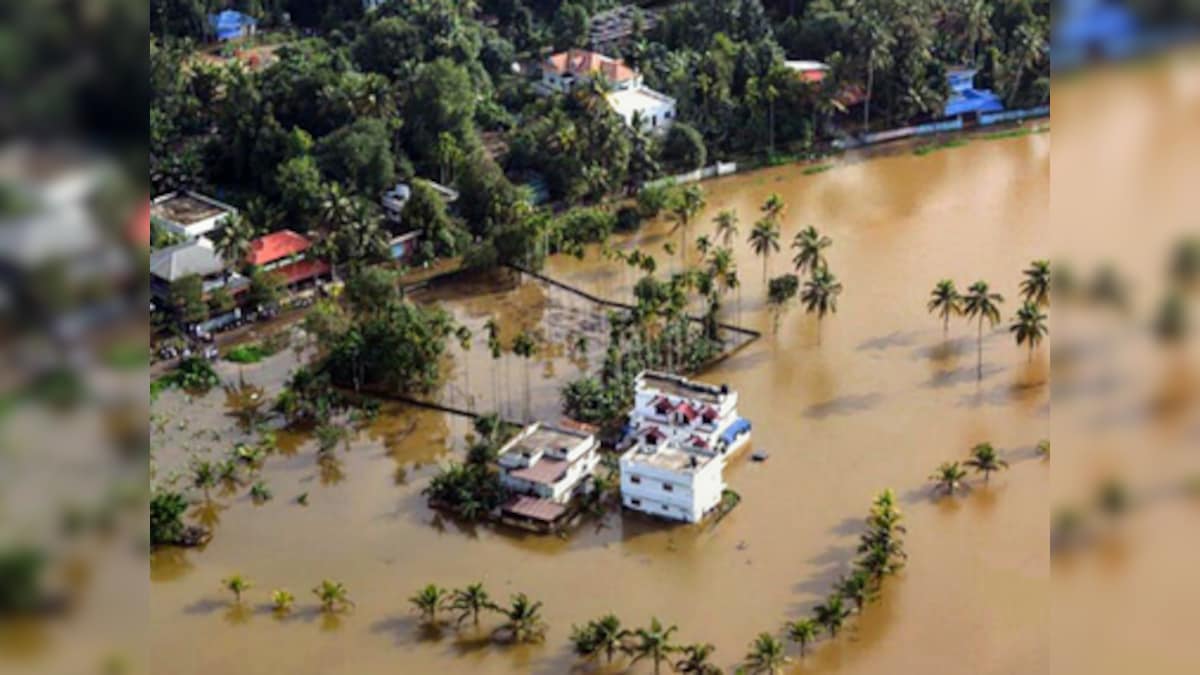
[(698, 442), (661, 404), (546, 471), (582, 62), (302, 271), (709, 412), (655, 432), (537, 509), (139, 225), (686, 410), (272, 247)]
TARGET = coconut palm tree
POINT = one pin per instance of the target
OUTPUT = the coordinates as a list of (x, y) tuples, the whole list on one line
[(237, 584), (683, 208), (652, 643), (428, 601), (832, 614), (1035, 287), (856, 588), (766, 655), (981, 304), (282, 600), (494, 348), (727, 226), (696, 659), (773, 207), (523, 620), (604, 635), (703, 245), (1029, 326), (764, 239), (802, 632), (984, 459), (820, 296), (808, 245), (470, 601), (945, 301), (232, 242), (333, 595), (949, 477), (525, 346)]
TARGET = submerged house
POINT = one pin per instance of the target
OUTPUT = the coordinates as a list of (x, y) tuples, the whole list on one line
[(680, 433), (965, 99), (546, 467), (231, 25)]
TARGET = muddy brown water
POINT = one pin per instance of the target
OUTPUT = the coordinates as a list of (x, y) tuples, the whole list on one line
[(879, 403)]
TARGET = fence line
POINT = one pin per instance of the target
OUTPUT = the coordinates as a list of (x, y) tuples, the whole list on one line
[(696, 175), (753, 334), (1013, 115)]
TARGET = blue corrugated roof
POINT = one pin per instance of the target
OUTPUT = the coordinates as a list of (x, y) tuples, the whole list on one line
[(231, 23), (973, 101), (739, 427)]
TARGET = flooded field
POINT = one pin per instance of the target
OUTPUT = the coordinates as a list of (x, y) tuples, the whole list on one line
[(879, 403)]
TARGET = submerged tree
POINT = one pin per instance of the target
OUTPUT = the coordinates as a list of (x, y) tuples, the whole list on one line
[(332, 595), (809, 245), (803, 632), (523, 620), (1029, 327), (653, 643), (766, 655), (820, 296), (985, 460), (236, 584), (469, 602), (832, 614), (981, 304), (764, 239), (697, 660), (1035, 287), (428, 601), (946, 302), (949, 477)]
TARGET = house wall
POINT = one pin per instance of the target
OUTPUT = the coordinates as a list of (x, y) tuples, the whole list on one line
[(690, 496)]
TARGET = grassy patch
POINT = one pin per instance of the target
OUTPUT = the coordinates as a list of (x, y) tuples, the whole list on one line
[(127, 356), (819, 168), (246, 354), (922, 150), (1016, 132)]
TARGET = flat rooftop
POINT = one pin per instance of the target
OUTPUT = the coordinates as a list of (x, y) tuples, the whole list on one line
[(626, 101), (545, 437), (185, 209), (680, 387), (669, 458)]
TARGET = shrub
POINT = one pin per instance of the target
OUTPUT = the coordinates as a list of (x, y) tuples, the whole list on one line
[(684, 147), (166, 518), (629, 219), (653, 199)]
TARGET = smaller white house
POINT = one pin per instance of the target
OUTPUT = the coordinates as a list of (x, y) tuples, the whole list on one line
[(662, 479), (652, 111), (189, 214), (546, 467)]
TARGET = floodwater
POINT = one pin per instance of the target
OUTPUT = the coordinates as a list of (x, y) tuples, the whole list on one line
[(879, 403)]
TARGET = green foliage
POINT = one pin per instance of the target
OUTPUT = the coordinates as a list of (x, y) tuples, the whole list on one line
[(472, 491), (251, 353), (266, 288), (397, 349), (193, 374), (21, 572), (426, 211), (651, 200), (683, 148), (187, 298), (359, 156), (166, 517)]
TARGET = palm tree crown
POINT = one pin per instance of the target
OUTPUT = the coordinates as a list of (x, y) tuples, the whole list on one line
[(653, 643), (766, 655), (809, 245), (1029, 326), (802, 632), (945, 301), (470, 601), (1035, 287), (981, 304), (949, 477), (727, 226), (984, 459), (820, 295), (764, 239)]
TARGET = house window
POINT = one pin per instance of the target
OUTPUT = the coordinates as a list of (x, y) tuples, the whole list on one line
[(635, 502), (668, 487), (635, 479), (665, 507)]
